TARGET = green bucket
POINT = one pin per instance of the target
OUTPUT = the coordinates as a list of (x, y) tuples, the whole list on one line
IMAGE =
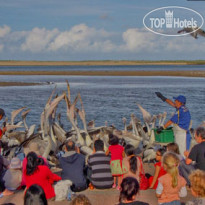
[(166, 136)]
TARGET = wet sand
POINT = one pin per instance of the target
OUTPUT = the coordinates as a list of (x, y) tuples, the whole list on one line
[(3, 84), (109, 73), (93, 63)]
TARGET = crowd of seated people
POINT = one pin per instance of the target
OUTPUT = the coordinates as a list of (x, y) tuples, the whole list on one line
[(118, 168)]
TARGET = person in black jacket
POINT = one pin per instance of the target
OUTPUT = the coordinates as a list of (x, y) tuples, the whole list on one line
[(73, 167)]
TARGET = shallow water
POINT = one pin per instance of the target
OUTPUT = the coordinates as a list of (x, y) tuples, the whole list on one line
[(107, 98), (104, 68)]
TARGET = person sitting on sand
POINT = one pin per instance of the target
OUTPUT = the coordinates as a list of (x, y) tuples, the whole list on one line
[(197, 179), (99, 163), (35, 195), (171, 186), (37, 173), (33, 147), (73, 166), (129, 190), (184, 169), (197, 152), (132, 162), (13, 176), (159, 170), (4, 165)]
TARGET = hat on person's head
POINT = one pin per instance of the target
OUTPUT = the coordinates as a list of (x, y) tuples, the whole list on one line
[(33, 147), (2, 112), (15, 163), (181, 99)]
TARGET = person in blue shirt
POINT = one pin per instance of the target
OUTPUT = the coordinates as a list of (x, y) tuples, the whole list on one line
[(180, 120)]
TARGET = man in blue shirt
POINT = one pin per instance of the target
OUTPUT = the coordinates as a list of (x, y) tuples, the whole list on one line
[(180, 120)]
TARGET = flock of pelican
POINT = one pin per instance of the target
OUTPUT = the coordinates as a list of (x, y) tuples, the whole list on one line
[(51, 136)]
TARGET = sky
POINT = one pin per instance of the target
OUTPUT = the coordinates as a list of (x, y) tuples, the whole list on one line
[(77, 30)]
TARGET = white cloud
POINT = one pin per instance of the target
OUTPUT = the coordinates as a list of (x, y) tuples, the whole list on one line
[(141, 40), (82, 40), (4, 31), (138, 39), (38, 39)]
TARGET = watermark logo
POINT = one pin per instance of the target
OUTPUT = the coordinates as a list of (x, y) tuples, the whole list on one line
[(169, 20)]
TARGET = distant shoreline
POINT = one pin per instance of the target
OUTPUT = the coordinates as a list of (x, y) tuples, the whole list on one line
[(98, 73), (95, 63), (110, 73)]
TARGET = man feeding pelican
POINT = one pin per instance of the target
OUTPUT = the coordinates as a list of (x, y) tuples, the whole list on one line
[(180, 120)]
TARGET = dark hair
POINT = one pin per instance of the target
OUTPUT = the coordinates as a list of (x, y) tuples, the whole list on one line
[(70, 146), (32, 163), (99, 145), (81, 199), (200, 132), (129, 188), (173, 147), (113, 139), (161, 151), (129, 150), (35, 195)]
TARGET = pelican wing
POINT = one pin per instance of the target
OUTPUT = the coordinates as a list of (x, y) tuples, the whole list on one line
[(15, 113), (23, 115), (201, 32)]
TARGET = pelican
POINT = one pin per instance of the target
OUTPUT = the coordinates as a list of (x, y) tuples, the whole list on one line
[(23, 115), (146, 115), (15, 113), (194, 32), (82, 117), (70, 115)]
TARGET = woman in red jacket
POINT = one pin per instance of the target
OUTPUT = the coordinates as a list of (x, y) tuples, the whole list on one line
[(37, 173)]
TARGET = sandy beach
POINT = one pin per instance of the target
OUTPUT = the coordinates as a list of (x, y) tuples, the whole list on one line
[(100, 197), (98, 62)]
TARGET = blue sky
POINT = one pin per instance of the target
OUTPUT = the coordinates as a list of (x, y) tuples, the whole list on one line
[(90, 30)]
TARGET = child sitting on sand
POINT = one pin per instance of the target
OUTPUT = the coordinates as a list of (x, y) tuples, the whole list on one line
[(197, 179), (129, 190), (171, 186), (117, 154), (159, 170), (184, 169), (132, 162), (13, 176)]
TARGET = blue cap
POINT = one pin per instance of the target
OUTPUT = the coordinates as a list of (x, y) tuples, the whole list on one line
[(181, 99)]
